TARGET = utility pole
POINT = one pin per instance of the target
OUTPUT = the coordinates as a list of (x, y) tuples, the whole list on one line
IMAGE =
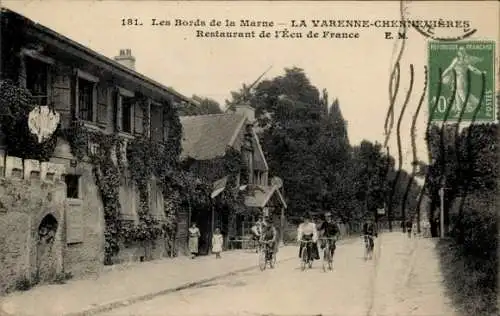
[(441, 213)]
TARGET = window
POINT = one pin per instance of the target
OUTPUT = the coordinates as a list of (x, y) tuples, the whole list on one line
[(72, 186), (126, 119), (85, 99), (125, 102), (86, 96), (37, 80), (256, 177)]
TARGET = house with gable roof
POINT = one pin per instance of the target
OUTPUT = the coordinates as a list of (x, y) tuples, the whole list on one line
[(207, 139), (61, 198)]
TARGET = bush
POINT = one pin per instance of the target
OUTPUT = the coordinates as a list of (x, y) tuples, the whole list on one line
[(469, 259), (62, 277), (475, 225), (469, 280)]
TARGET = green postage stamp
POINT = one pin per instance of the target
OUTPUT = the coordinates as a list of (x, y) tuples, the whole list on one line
[(462, 66)]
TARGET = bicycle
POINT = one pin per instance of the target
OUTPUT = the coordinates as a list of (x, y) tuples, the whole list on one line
[(327, 253), (305, 255), (369, 246), (266, 255)]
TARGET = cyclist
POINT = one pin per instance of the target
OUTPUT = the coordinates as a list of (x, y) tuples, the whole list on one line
[(268, 236), (329, 229), (369, 232), (257, 230), (307, 231)]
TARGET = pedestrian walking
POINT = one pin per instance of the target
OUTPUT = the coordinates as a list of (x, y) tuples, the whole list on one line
[(194, 237), (414, 228), (217, 240), (408, 227), (426, 229)]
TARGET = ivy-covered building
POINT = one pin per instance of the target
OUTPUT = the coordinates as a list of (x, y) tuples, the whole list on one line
[(225, 151), (118, 140)]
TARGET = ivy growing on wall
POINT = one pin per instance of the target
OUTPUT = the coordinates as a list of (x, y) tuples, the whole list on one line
[(15, 105), (107, 176)]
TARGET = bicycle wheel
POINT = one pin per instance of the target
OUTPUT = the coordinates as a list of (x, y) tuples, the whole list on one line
[(303, 258), (330, 262), (326, 259), (262, 260), (271, 261)]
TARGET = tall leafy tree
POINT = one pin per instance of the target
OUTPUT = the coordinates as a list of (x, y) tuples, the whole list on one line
[(204, 106)]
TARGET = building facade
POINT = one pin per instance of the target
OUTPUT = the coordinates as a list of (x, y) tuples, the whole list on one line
[(107, 97), (206, 141)]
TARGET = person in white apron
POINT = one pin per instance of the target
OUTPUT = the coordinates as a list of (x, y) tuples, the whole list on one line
[(194, 237)]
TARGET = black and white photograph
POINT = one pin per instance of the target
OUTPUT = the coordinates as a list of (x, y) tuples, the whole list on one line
[(249, 158)]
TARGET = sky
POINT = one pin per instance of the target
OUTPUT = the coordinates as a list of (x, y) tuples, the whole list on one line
[(356, 71)]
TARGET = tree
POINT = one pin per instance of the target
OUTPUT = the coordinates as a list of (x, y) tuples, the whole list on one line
[(306, 143), (205, 106), (371, 166)]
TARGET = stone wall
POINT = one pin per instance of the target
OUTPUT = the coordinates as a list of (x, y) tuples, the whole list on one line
[(31, 193)]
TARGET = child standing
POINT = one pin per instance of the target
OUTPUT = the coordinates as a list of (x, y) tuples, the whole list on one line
[(217, 241)]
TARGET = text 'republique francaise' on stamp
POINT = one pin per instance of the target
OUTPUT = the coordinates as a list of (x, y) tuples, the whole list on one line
[(467, 62)]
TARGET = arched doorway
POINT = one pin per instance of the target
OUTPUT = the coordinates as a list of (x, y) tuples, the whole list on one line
[(46, 255)]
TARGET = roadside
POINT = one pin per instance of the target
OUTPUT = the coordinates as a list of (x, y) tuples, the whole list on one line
[(408, 279), (125, 285)]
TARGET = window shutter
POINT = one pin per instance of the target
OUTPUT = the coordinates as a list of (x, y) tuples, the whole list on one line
[(118, 111), (61, 93), (102, 104), (138, 118)]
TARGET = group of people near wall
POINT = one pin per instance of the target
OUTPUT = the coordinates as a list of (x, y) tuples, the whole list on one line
[(194, 238)]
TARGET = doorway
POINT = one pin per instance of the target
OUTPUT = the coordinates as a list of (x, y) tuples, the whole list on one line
[(46, 254), (203, 219)]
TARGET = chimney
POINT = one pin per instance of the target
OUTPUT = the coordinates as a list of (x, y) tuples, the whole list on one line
[(126, 59), (247, 111)]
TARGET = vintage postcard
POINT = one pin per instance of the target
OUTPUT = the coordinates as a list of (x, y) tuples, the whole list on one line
[(196, 158)]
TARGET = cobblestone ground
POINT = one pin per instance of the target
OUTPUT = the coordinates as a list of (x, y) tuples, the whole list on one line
[(403, 279)]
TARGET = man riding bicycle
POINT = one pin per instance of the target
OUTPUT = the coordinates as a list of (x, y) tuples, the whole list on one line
[(329, 229), (369, 232), (268, 238)]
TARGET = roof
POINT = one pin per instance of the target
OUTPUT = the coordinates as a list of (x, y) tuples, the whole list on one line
[(207, 137), (259, 160), (51, 34), (261, 196)]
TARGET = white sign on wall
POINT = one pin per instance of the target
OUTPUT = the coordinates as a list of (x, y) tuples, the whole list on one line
[(42, 121)]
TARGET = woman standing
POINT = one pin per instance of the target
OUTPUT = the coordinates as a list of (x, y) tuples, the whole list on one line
[(217, 241), (194, 236)]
